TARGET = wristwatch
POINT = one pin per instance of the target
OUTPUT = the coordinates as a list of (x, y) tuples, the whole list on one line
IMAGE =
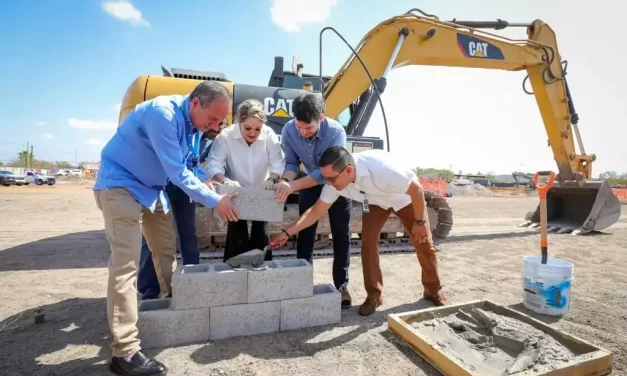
[(420, 222), (285, 180)]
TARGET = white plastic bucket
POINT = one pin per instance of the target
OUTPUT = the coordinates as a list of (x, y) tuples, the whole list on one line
[(546, 287)]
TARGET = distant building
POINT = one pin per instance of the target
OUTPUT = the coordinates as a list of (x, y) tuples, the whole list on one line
[(90, 169)]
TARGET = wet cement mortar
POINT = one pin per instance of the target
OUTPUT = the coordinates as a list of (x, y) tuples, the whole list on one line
[(491, 344)]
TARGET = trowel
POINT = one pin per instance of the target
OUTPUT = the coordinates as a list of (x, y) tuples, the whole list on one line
[(542, 189), (251, 260)]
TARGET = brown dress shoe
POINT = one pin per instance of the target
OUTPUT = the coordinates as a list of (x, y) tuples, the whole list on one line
[(439, 299), (370, 305)]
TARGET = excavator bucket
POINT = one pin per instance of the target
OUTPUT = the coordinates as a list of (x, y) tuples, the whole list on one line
[(576, 209)]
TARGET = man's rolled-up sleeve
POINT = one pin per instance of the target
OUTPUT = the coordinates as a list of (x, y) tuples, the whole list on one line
[(329, 194), (339, 139), (292, 161), (162, 131)]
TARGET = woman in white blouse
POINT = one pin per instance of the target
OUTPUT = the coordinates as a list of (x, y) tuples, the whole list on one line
[(249, 153)]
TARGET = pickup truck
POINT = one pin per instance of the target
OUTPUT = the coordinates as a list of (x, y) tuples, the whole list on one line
[(8, 178), (38, 178)]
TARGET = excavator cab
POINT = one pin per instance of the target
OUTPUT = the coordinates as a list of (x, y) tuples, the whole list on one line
[(576, 209)]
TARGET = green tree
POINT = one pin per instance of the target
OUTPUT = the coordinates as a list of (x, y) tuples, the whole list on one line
[(63, 164), (27, 159), (491, 177), (441, 173), (608, 175), (614, 178)]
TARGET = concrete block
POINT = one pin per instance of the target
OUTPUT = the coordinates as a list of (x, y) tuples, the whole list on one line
[(208, 285), (161, 326), (254, 204), (323, 308), (285, 279), (244, 320)]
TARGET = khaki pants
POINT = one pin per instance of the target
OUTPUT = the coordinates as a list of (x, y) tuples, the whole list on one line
[(125, 220), (373, 223)]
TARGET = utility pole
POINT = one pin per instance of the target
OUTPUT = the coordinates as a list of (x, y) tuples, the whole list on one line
[(31, 155), (27, 156)]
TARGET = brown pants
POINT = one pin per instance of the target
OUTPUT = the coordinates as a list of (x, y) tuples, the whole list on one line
[(125, 220), (373, 223)]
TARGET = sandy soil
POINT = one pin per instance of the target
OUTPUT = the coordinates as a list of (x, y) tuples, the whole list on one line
[(53, 255)]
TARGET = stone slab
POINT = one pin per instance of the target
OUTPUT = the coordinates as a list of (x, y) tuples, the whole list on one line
[(244, 320), (285, 279), (254, 204), (161, 326), (208, 285), (323, 308)]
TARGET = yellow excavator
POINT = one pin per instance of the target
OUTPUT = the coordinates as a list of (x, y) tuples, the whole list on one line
[(576, 204)]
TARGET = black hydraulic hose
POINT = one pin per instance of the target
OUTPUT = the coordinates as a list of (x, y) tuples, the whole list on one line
[(387, 136)]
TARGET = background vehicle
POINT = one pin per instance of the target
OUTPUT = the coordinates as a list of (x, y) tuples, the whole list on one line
[(38, 178), (8, 178)]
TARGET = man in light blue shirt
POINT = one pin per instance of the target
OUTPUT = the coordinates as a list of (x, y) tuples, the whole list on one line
[(150, 148), (184, 213), (304, 139)]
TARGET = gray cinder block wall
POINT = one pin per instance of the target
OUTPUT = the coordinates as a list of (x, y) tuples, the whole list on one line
[(215, 301)]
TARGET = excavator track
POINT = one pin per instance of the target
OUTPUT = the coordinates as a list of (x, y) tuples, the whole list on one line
[(211, 231)]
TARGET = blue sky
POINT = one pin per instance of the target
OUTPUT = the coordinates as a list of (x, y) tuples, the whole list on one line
[(66, 64)]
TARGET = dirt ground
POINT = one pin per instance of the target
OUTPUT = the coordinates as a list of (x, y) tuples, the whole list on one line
[(53, 255)]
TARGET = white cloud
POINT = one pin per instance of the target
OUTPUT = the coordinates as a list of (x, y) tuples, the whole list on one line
[(292, 14), (91, 124), (116, 107), (47, 136), (124, 11), (40, 123), (95, 141)]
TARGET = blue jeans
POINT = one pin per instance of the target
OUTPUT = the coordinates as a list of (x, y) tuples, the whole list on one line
[(184, 213), (339, 218)]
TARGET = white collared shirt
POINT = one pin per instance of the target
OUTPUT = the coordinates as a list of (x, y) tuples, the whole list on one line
[(248, 165), (381, 177)]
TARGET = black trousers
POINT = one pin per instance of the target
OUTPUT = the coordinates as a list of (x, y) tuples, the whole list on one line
[(238, 241), (339, 218)]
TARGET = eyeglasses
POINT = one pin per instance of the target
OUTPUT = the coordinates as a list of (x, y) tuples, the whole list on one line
[(334, 178)]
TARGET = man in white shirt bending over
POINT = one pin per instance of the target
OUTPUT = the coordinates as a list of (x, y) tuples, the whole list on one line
[(249, 153), (384, 185)]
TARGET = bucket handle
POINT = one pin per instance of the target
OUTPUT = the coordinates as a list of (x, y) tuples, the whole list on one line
[(543, 188)]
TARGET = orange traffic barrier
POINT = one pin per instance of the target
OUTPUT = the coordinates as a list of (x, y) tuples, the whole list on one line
[(621, 193), (434, 185)]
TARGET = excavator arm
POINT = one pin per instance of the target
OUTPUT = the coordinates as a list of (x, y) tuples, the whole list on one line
[(411, 39)]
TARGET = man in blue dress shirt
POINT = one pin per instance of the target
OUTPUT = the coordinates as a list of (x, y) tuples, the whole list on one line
[(184, 213), (304, 139), (150, 148)]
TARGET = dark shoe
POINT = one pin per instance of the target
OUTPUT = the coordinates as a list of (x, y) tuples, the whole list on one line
[(347, 301), (370, 305), (439, 299), (140, 365)]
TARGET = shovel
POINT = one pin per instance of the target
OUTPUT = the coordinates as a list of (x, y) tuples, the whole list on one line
[(542, 189)]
